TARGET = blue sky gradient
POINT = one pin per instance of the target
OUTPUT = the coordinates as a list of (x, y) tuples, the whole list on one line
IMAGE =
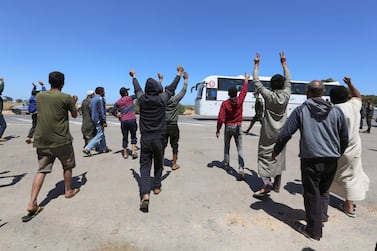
[(95, 43)]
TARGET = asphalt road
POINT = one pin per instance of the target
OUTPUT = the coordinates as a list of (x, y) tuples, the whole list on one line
[(201, 207)]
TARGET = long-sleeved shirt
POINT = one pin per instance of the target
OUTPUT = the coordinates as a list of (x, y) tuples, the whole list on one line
[(231, 109), (323, 130), (172, 106), (153, 106), (33, 101), (98, 112)]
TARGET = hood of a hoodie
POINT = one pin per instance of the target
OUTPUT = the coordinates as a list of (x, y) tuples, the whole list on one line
[(318, 107), (153, 87)]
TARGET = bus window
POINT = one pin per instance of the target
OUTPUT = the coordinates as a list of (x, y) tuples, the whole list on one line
[(298, 88), (328, 89), (200, 91), (211, 94)]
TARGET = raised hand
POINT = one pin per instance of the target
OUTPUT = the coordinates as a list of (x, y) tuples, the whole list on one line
[(180, 70), (257, 59), (132, 73), (185, 75), (283, 59), (160, 77), (347, 80)]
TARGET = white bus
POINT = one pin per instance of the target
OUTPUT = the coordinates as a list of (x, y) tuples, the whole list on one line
[(213, 90)]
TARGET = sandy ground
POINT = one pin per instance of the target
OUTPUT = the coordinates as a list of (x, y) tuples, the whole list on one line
[(201, 207)]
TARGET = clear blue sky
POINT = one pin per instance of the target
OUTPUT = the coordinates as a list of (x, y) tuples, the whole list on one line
[(95, 43)]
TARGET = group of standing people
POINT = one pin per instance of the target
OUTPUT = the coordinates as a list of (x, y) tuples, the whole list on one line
[(330, 145)]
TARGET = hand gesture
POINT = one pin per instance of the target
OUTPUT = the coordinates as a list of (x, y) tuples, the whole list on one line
[(35, 86), (273, 157), (160, 77), (180, 70), (132, 73), (347, 80), (185, 75), (75, 98), (283, 59), (41, 83), (247, 76), (257, 59)]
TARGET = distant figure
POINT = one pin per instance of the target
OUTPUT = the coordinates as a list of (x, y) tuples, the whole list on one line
[(153, 129), (230, 114), (323, 139), (98, 116), (259, 108), (3, 124), (369, 110), (362, 115), (53, 139), (275, 115), (88, 129), (33, 110), (172, 113), (350, 180), (124, 110)]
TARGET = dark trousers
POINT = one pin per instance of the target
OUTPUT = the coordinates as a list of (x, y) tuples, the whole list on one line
[(317, 175), (172, 133), (3, 125), (151, 149), (252, 122), (128, 126), (33, 125)]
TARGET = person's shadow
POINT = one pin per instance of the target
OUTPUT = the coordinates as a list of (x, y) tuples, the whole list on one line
[(279, 211), (251, 179), (77, 182), (296, 188), (138, 179), (15, 178)]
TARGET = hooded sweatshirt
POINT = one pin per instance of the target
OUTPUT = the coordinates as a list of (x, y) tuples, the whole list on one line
[(323, 130), (231, 109), (152, 105)]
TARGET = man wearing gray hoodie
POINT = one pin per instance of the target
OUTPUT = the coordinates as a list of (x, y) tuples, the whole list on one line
[(324, 138)]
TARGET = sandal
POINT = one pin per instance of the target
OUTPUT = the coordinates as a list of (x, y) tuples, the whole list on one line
[(349, 214), (176, 167), (144, 205), (31, 214), (157, 190), (134, 156)]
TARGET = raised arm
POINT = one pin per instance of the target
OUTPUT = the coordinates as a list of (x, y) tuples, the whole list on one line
[(287, 74), (160, 77), (353, 91), (42, 85), (182, 93), (138, 91), (169, 90), (256, 67)]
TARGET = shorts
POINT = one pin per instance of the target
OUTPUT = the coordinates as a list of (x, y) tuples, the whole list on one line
[(47, 156)]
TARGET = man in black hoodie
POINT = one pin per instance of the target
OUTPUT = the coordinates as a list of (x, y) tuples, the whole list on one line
[(152, 123)]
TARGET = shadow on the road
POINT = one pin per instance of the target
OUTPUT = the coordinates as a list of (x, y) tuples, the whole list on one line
[(77, 182), (10, 137), (15, 178), (251, 179), (138, 179), (3, 224), (296, 188), (279, 211), (375, 150)]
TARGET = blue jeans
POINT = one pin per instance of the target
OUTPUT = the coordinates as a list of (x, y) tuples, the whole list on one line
[(235, 132), (3, 125), (99, 141)]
